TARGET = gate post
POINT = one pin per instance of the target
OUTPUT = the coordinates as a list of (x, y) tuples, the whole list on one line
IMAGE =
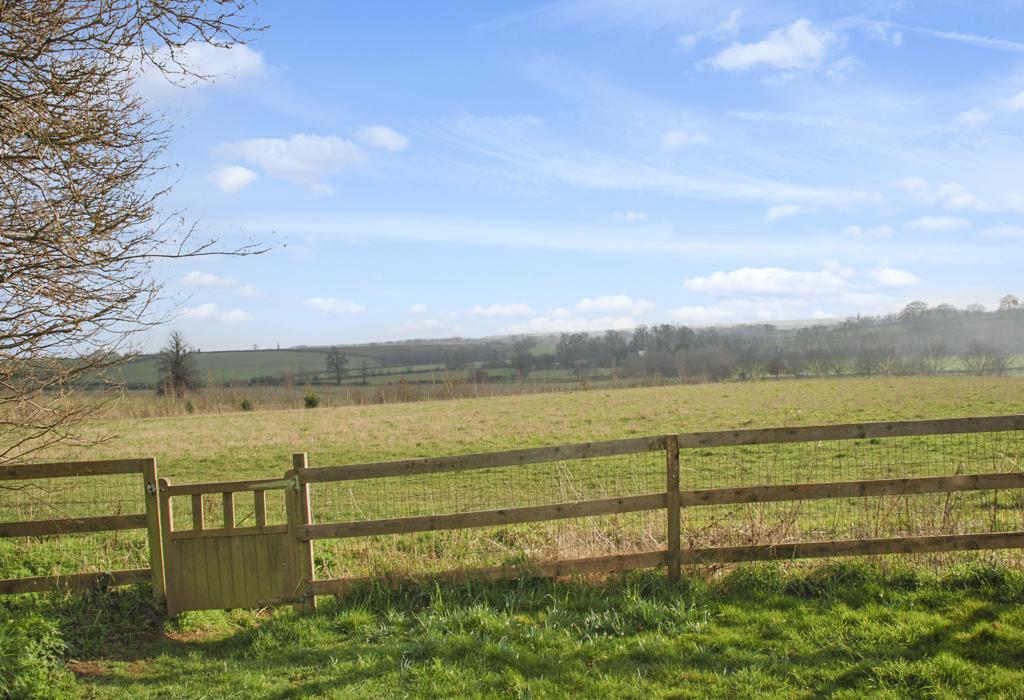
[(672, 506), (156, 548), (300, 513)]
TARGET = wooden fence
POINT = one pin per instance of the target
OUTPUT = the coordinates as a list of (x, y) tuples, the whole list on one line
[(148, 520), (273, 563)]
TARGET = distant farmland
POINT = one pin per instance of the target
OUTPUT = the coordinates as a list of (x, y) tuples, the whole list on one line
[(246, 365)]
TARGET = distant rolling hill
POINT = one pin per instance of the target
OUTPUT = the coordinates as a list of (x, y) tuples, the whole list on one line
[(243, 365)]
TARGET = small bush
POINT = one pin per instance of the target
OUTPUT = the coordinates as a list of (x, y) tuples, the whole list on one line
[(30, 658), (245, 404), (189, 408), (311, 400)]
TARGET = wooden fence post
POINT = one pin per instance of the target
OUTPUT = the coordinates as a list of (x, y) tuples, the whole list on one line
[(156, 549), (166, 526), (300, 513), (672, 506)]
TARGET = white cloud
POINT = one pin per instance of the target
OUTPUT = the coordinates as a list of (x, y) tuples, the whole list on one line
[(883, 32), (728, 27), (247, 290), (915, 188), (212, 312), (1013, 104), (330, 305), (1004, 231), (195, 278), (629, 215), (939, 223), (950, 195), (302, 159), (502, 310), (232, 178), (216, 65), (562, 323), (799, 46), (955, 196), (384, 137), (741, 311), (772, 281), (418, 309), (782, 211), (615, 304), (883, 231), (677, 140), (893, 277), (973, 118)]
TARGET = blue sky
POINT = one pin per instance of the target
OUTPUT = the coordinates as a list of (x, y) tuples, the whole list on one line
[(429, 170)]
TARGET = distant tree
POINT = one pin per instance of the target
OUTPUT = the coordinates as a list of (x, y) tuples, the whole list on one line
[(177, 367), (1009, 303), (337, 364), (914, 309), (362, 371), (868, 360), (522, 358), (889, 361), (775, 366), (981, 358), (975, 308), (935, 359)]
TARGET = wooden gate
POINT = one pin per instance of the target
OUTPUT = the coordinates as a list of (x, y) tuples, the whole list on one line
[(239, 565)]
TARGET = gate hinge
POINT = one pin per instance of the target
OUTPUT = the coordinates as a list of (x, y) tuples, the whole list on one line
[(151, 488)]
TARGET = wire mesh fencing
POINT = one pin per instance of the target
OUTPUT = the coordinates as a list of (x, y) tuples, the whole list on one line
[(72, 498), (733, 466), (545, 483), (853, 518)]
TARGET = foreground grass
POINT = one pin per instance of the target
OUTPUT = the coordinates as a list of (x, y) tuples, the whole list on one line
[(843, 630), (260, 444)]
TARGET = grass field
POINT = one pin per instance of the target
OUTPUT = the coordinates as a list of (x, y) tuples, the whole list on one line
[(763, 631)]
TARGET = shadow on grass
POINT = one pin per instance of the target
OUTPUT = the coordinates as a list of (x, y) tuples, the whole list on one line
[(837, 627)]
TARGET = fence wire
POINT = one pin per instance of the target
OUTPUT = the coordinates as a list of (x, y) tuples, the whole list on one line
[(703, 526), (69, 498), (547, 483)]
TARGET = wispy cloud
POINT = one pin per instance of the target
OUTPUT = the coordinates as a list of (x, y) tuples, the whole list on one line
[(615, 304), (894, 277), (512, 309), (678, 139), (536, 155), (773, 281), (212, 312), (330, 305), (196, 278), (943, 224), (880, 231)]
